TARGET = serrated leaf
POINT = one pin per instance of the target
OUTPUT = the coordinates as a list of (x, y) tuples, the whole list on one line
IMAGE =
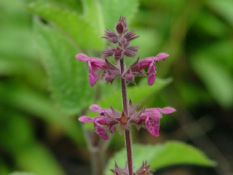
[(161, 155), (68, 77), (74, 25), (112, 10)]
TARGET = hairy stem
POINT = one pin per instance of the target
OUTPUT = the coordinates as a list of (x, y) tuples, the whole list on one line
[(127, 132)]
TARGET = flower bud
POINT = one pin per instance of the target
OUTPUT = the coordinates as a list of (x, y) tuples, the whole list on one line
[(121, 26), (117, 53), (110, 36), (130, 35), (131, 51), (108, 52)]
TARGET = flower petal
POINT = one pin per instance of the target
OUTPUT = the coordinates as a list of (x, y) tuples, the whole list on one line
[(93, 77), (153, 113), (152, 125), (166, 110), (161, 56), (151, 79), (82, 57), (95, 108), (144, 63), (100, 130), (152, 68), (97, 62), (86, 119)]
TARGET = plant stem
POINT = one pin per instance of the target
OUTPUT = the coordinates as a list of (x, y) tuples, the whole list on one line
[(127, 132)]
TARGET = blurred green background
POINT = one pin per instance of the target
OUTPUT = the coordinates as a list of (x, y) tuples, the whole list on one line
[(43, 88)]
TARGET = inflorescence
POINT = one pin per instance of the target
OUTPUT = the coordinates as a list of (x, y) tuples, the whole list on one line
[(108, 119)]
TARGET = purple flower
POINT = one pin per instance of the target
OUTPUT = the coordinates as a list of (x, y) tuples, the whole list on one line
[(111, 72), (109, 118), (151, 118), (150, 61), (98, 121), (94, 64)]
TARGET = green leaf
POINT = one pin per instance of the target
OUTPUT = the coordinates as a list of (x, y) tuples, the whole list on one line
[(68, 76), (37, 104), (137, 93), (104, 14), (215, 76), (22, 68), (161, 155), (22, 173), (36, 158), (224, 8), (93, 14), (112, 10), (74, 25)]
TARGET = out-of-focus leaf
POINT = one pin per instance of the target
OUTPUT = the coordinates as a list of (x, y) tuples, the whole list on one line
[(137, 93), (3, 168), (36, 158), (68, 76), (21, 173), (23, 68), (220, 52), (113, 9), (192, 94), (93, 14), (17, 127), (160, 156), (104, 14), (74, 25), (215, 76), (174, 152), (22, 145), (224, 8), (35, 103), (148, 42), (205, 22)]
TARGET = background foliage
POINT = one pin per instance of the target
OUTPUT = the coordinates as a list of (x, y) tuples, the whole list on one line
[(43, 88)]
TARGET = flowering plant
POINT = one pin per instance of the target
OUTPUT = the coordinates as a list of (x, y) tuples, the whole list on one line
[(108, 119)]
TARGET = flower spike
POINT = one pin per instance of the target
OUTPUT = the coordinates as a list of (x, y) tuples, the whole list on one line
[(108, 120)]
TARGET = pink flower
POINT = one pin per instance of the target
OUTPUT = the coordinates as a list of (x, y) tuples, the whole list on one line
[(100, 121), (94, 64), (151, 118), (109, 118), (150, 61)]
